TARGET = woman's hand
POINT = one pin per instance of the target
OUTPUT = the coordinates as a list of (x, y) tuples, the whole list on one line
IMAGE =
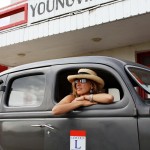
[(83, 101), (88, 103), (81, 98)]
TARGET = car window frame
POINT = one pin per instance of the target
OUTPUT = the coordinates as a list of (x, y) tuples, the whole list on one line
[(3, 78), (23, 73), (134, 78), (124, 103)]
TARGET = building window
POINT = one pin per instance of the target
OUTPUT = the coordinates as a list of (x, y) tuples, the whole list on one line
[(143, 58)]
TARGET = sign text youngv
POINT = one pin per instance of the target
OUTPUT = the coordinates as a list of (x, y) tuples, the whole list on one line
[(44, 9)]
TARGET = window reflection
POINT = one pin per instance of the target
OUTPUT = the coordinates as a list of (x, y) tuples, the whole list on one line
[(142, 78), (27, 91)]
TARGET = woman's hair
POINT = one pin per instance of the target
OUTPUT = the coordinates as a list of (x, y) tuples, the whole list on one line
[(96, 88)]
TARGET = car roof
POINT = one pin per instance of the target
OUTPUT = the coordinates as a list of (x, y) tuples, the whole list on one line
[(109, 61)]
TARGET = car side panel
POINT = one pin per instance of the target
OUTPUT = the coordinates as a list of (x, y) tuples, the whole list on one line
[(144, 132), (118, 133), (18, 134)]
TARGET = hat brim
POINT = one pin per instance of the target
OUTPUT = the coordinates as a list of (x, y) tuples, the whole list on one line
[(95, 78)]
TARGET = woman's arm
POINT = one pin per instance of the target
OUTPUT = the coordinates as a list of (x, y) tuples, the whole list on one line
[(68, 104), (100, 98), (65, 105)]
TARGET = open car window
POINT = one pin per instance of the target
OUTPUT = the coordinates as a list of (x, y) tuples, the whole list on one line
[(63, 87), (141, 76)]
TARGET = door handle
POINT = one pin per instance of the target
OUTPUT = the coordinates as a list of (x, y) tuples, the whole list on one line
[(43, 125)]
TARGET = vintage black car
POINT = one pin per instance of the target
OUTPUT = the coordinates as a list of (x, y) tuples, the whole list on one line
[(29, 92)]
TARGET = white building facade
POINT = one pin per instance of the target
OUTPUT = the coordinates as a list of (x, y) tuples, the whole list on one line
[(49, 29)]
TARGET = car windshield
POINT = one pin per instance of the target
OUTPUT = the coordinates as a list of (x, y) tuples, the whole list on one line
[(141, 76)]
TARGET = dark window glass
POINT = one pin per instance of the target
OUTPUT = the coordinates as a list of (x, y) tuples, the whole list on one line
[(1, 94), (142, 78), (27, 91), (1, 89)]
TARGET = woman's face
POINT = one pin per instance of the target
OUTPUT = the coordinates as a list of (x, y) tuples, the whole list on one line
[(82, 86)]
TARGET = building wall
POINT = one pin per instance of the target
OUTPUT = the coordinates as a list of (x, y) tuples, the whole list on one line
[(13, 1), (106, 13), (127, 52)]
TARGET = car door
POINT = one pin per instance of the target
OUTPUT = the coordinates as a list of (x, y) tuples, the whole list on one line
[(21, 120), (141, 76), (106, 127)]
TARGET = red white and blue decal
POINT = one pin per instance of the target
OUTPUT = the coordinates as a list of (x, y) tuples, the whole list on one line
[(77, 140)]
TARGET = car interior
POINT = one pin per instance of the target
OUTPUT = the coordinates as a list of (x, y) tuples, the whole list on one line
[(63, 86)]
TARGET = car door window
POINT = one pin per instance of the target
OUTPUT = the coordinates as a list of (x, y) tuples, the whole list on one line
[(27, 91), (112, 86), (142, 79)]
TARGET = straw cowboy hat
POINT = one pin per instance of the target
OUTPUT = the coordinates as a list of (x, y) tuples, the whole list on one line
[(87, 74)]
